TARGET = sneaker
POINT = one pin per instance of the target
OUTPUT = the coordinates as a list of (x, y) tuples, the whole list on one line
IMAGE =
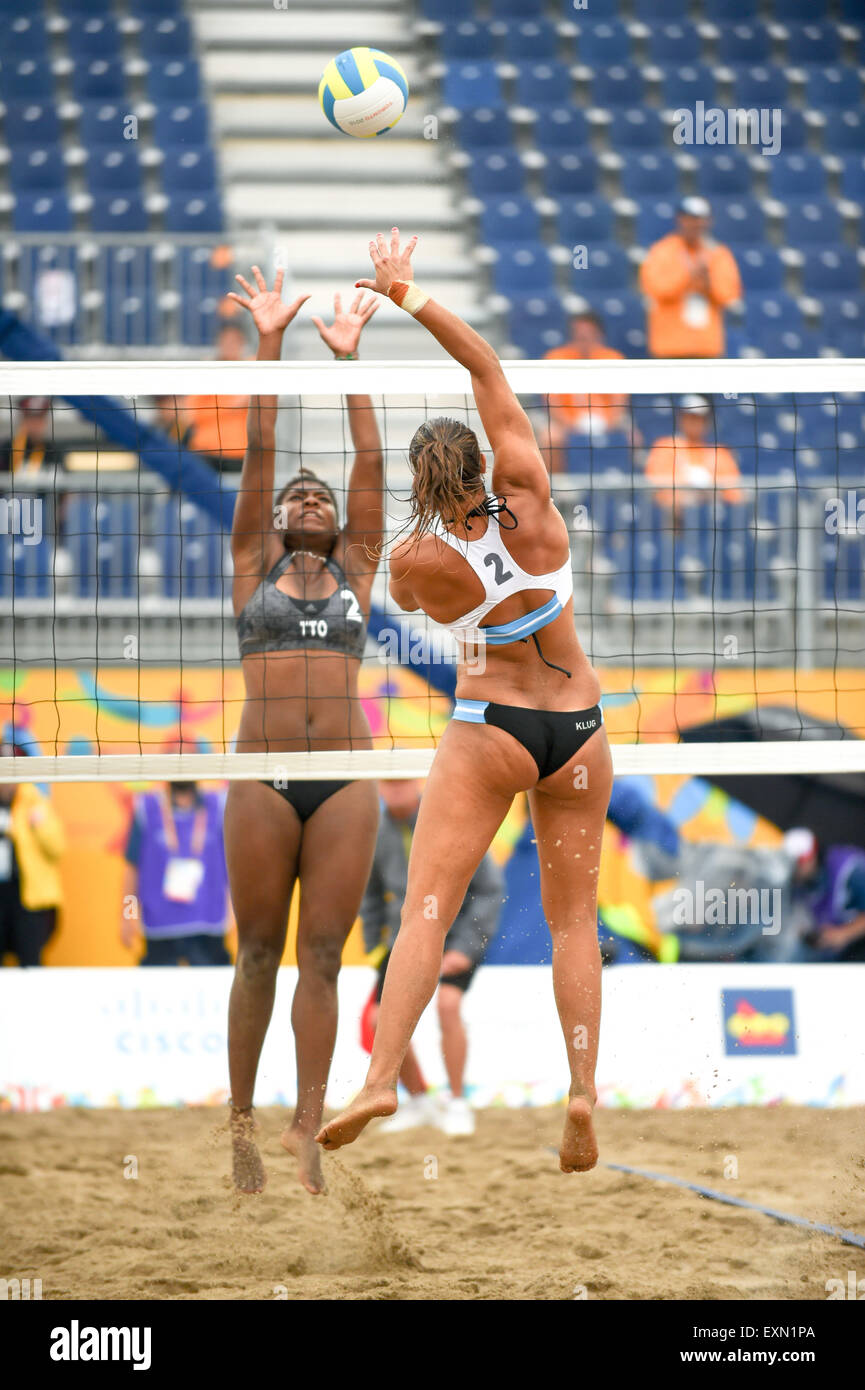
[(457, 1117), (412, 1113)]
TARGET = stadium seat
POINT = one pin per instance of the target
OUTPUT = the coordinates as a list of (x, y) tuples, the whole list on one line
[(521, 272), (37, 167), (534, 39), (157, 7), (808, 221), (761, 86), (543, 84), (27, 570), (655, 220), (644, 175), (838, 86), (181, 125), (99, 80), (467, 86), (561, 128), (582, 221), (514, 9), (204, 279), (119, 212), (103, 536), (744, 43), (801, 11), (685, 86), (89, 39), (853, 177), (509, 219), (842, 313), (659, 11), (832, 272), (24, 79), (21, 35), (603, 44), (741, 219), (42, 212), (794, 130), (764, 312), (674, 43), (129, 305), (190, 550), (189, 170), (608, 268), (200, 213), (722, 175), (850, 342), (101, 123), (845, 130), (796, 176), (165, 38), (444, 11), (487, 127), (619, 85), (571, 173), (31, 124), (760, 266), (812, 43), (466, 42), (788, 342), (537, 325), (636, 127), (624, 317), (114, 170), (174, 81), (496, 171)]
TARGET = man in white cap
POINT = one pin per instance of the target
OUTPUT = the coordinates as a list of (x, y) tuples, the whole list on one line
[(688, 465), (834, 886), (689, 281)]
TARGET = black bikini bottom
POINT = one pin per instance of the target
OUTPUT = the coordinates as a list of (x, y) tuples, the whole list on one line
[(306, 797), (551, 736)]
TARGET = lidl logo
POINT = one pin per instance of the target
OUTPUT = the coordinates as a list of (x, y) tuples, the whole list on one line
[(759, 1022)]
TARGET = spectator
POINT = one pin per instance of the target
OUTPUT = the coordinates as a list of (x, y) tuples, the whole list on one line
[(687, 463), (576, 413), (31, 447), (172, 420), (833, 885), (216, 425), (175, 888), (690, 281), (465, 947), (31, 843)]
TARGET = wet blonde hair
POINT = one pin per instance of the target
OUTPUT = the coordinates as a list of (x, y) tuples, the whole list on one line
[(446, 465)]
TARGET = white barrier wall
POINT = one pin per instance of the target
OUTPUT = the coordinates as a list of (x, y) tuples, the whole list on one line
[(672, 1036)]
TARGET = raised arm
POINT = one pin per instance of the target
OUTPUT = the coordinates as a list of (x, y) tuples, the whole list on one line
[(252, 525), (364, 524), (517, 459)]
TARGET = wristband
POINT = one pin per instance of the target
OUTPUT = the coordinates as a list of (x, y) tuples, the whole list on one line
[(345, 357), (408, 296)]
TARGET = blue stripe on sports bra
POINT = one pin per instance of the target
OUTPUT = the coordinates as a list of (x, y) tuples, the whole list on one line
[(523, 627)]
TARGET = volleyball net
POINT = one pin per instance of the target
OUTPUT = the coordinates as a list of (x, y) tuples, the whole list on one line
[(717, 519)]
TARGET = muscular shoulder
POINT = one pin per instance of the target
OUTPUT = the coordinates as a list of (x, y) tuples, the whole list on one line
[(422, 553)]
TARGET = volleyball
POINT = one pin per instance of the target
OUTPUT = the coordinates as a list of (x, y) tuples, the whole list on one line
[(363, 92)]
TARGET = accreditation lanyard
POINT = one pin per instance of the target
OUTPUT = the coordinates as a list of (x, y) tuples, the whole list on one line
[(183, 874)]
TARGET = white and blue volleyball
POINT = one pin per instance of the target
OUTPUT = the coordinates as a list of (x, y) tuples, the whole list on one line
[(363, 92)]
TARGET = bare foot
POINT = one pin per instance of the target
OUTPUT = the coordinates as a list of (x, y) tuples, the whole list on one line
[(302, 1145), (579, 1150), (350, 1121), (247, 1168)]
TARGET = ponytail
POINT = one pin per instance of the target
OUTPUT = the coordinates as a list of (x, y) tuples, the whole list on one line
[(445, 461)]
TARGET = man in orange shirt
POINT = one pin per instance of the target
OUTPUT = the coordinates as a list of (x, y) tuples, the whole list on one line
[(217, 424), (689, 464), (576, 413), (689, 280)]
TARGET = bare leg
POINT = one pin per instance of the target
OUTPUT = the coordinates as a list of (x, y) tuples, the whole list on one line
[(331, 889), (569, 824), (455, 1043), (450, 839), (410, 1074), (262, 834)]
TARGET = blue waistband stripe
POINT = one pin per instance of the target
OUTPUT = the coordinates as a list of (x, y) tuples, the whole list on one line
[(470, 711), (523, 627)]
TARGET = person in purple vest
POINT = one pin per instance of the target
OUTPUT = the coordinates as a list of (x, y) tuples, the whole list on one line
[(833, 883), (175, 887)]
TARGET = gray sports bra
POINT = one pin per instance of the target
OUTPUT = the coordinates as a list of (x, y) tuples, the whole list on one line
[(275, 622)]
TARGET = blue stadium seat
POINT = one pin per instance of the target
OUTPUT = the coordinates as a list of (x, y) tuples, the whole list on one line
[(543, 84), (726, 174), (787, 342), (608, 268), (467, 86), (103, 536), (624, 316), (674, 43), (794, 130), (177, 80), (850, 342), (620, 85), (740, 219), (190, 549), (839, 86), (21, 35), (571, 173), (644, 175), (113, 169), (796, 176), (583, 221), (204, 280), (808, 220), (657, 11), (813, 43), (466, 41), (685, 86), (88, 39), (31, 124), (26, 79), (202, 212), (444, 11), (496, 171), (803, 11), (98, 80), (181, 125), (189, 169), (129, 306), (534, 39), (509, 219), (653, 416), (845, 130), (156, 7), (853, 177), (537, 325), (600, 453), (760, 266), (487, 127), (514, 9), (523, 271), (37, 167), (102, 123), (169, 37), (832, 271), (636, 127), (42, 212), (603, 43), (119, 212), (744, 43), (561, 128), (27, 569), (764, 312), (655, 220), (764, 85), (842, 313)]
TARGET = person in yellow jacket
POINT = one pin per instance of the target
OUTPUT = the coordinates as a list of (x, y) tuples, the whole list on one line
[(31, 844), (689, 281)]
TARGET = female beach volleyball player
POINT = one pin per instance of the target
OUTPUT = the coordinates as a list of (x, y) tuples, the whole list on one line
[(301, 597), (527, 719)]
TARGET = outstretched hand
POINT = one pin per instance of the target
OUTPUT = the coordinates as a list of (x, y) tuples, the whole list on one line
[(269, 314), (343, 335), (389, 263)]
